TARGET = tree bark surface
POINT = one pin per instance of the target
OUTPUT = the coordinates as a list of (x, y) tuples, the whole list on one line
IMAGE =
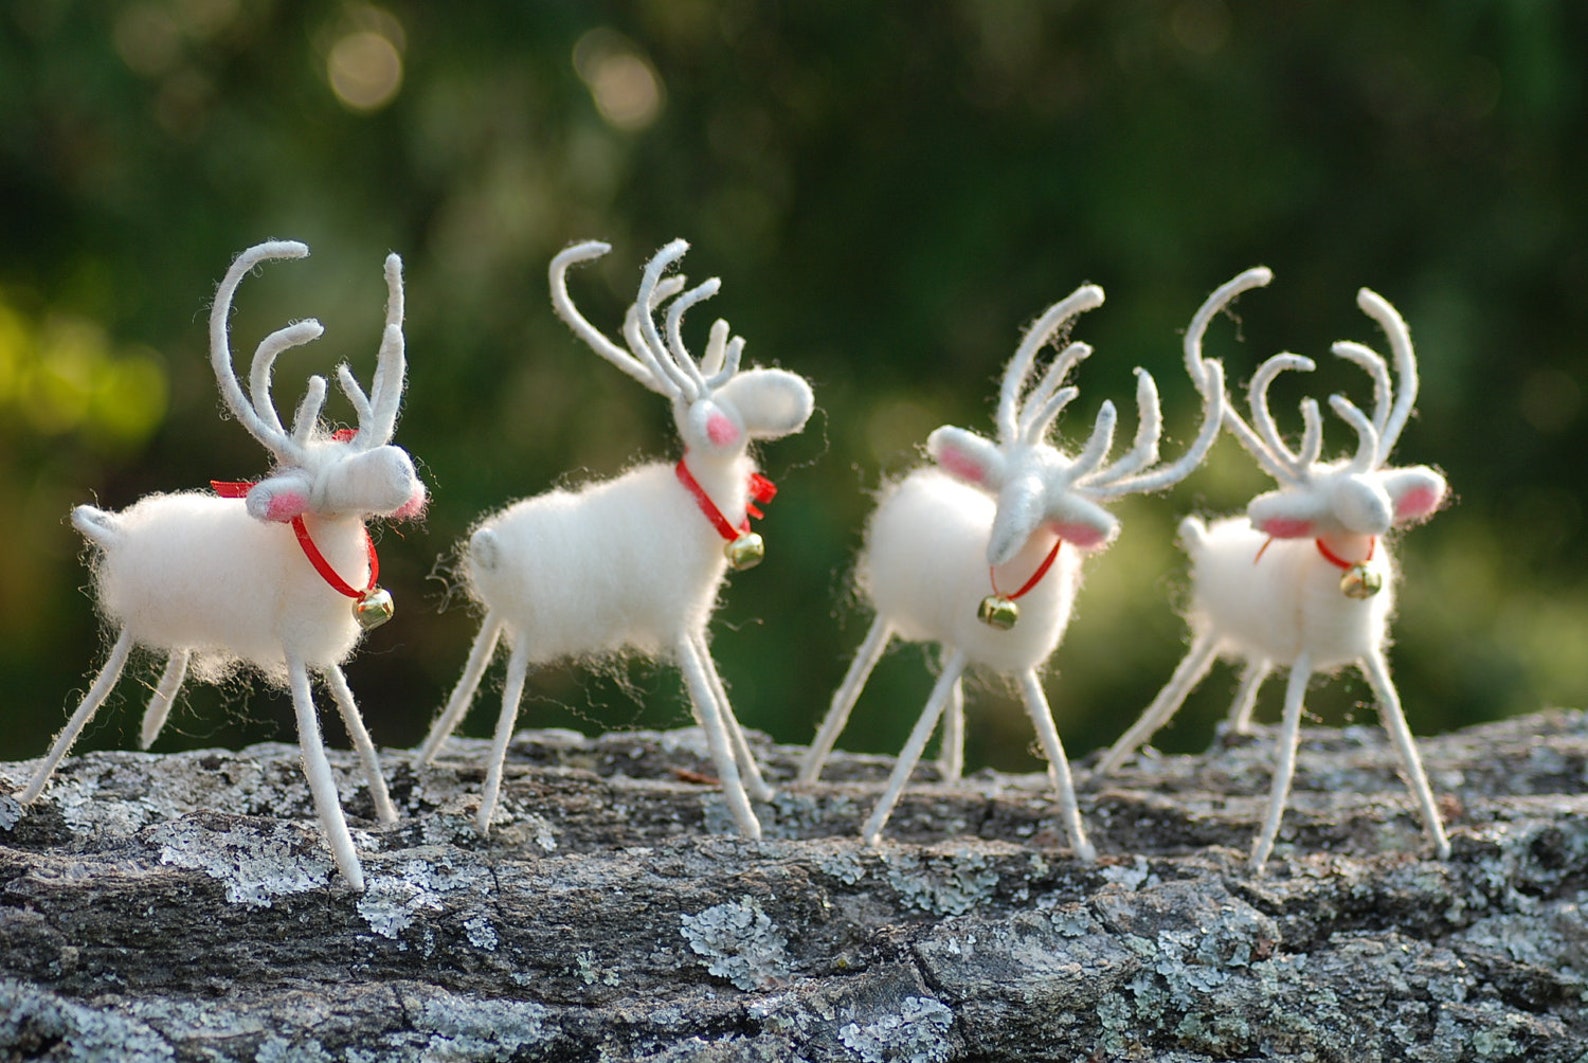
[(185, 907)]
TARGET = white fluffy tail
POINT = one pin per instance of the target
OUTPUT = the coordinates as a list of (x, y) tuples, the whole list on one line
[(1193, 534), (96, 525)]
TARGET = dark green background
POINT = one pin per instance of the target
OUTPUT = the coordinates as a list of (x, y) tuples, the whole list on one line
[(889, 192)]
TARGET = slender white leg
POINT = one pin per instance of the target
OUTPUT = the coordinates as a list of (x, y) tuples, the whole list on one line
[(749, 770), (1377, 671), (1252, 678), (1284, 761), (512, 694), (317, 769), (463, 693), (951, 754), (1187, 674), (342, 694), (1058, 764), (103, 684), (154, 716), (698, 683), (910, 755), (844, 700)]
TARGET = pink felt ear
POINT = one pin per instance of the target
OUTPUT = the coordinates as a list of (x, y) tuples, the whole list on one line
[(966, 456), (1416, 504), (1417, 493), (1287, 528), (1086, 536), (721, 430), (279, 506)]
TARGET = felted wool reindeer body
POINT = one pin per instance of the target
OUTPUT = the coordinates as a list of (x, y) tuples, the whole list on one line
[(635, 564), (1014, 517), (213, 580), (1306, 580)]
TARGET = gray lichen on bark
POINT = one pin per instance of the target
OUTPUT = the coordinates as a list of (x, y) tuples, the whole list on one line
[(184, 907)]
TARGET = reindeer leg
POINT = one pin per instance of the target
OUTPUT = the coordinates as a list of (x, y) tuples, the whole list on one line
[(1058, 764), (910, 755), (1377, 671), (844, 700), (1252, 677), (154, 716), (1284, 761), (1187, 674), (342, 694), (463, 694), (951, 754), (754, 783), (322, 785), (698, 684), (512, 694), (103, 684)]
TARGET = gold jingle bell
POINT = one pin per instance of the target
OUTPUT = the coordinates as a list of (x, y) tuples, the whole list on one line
[(1361, 582), (745, 552), (373, 608), (998, 611)]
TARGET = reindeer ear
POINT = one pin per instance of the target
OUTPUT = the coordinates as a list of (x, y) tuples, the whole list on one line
[(1083, 522), (772, 402), (1417, 493), (1287, 514), (280, 498), (966, 456)]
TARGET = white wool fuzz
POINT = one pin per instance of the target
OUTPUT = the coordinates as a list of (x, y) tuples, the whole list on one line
[(1287, 603), (193, 571), (925, 569), (626, 564)]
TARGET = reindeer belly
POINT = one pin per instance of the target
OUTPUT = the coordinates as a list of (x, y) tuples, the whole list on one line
[(583, 572), (925, 569), (191, 571), (1287, 602)]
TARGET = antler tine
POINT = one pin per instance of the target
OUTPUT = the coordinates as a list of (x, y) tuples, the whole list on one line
[(1311, 434), (716, 352), (1149, 431), (1367, 444), (1196, 364), (1086, 297), (1034, 417), (386, 386), (268, 432), (675, 334), (1103, 488), (294, 335), (683, 385), (1284, 465), (562, 303), (1098, 445), (308, 413), (1035, 424), (1373, 363), (730, 364), (1379, 309), (363, 410)]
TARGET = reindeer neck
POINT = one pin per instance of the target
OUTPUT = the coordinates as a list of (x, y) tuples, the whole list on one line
[(1349, 546), (726, 478)]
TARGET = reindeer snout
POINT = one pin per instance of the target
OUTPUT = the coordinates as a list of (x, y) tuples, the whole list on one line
[(381, 481), (1363, 507)]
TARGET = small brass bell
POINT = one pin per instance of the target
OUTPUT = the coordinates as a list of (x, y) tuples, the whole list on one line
[(1361, 582), (373, 608), (998, 611), (745, 552)]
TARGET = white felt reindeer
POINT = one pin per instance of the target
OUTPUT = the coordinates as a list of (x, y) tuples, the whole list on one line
[(635, 564), (262, 573), (1015, 518), (1306, 580)]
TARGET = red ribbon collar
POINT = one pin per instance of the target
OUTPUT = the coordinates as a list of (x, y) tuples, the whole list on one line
[(240, 489), (1036, 577), (762, 491)]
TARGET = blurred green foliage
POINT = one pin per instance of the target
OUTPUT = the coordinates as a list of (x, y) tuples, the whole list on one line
[(889, 192)]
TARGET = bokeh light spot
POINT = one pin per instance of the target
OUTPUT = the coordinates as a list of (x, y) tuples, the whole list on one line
[(625, 86), (365, 69)]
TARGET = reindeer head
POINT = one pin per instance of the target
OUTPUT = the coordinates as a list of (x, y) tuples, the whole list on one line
[(1035, 482), (718, 408), (1359, 495), (356, 473)]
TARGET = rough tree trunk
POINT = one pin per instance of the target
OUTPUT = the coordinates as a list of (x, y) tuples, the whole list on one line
[(184, 906)]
